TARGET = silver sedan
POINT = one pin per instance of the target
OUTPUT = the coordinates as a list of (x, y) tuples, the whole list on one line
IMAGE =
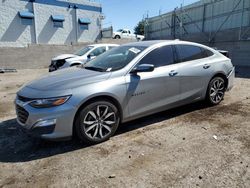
[(123, 84)]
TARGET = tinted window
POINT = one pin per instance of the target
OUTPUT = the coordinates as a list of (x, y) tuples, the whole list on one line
[(115, 59), (189, 53), (111, 47), (98, 51), (84, 50), (58, 24), (159, 57), (208, 53)]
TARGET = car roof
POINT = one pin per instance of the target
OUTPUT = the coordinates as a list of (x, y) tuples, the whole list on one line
[(99, 45), (146, 43), (151, 43), (157, 42)]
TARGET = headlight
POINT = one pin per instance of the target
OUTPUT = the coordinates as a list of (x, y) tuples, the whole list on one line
[(47, 103)]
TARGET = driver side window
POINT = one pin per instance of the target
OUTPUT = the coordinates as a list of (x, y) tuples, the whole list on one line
[(159, 57)]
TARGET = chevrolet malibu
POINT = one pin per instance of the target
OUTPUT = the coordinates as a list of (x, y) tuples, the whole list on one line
[(123, 84)]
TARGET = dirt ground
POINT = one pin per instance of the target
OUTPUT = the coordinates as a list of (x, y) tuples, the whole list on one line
[(191, 146)]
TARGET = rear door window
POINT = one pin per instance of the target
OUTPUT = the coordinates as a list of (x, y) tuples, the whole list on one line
[(189, 53), (159, 57), (208, 52)]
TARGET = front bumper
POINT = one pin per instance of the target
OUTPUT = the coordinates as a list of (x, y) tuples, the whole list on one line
[(47, 123), (230, 79), (38, 131)]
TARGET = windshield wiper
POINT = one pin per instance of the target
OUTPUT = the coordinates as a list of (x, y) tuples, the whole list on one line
[(99, 69)]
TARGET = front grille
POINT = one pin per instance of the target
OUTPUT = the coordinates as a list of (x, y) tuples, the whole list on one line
[(53, 62), (57, 63), (22, 114), (60, 63)]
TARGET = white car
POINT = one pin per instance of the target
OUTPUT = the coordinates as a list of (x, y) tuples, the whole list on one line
[(81, 57), (126, 34)]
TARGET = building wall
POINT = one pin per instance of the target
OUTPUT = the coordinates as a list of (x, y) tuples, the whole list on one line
[(94, 30), (12, 32), (223, 24), (42, 31)]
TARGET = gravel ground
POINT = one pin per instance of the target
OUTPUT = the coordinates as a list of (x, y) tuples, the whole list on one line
[(190, 146)]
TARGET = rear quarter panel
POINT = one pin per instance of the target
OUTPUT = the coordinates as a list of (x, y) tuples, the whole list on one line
[(220, 65)]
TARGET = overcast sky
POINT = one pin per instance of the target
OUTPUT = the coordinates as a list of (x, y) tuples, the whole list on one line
[(127, 13)]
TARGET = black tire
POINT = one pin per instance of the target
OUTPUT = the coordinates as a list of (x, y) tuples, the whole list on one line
[(117, 37), (85, 120), (216, 91)]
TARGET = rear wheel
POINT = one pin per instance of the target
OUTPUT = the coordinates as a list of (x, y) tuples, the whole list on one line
[(216, 90), (97, 122)]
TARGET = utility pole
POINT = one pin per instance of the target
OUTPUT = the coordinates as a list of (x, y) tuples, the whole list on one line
[(212, 21), (181, 23), (76, 23), (242, 17), (146, 25), (34, 21)]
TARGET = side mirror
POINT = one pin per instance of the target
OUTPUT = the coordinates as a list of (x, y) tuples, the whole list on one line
[(90, 56), (143, 68)]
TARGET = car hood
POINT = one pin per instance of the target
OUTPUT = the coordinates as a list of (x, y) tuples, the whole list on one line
[(77, 58), (63, 56), (68, 79)]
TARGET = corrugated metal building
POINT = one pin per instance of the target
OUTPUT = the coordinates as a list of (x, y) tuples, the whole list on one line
[(24, 22), (224, 24)]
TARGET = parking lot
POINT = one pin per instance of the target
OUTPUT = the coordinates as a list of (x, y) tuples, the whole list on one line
[(190, 146)]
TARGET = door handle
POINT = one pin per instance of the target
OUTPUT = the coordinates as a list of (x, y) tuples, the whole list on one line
[(173, 73), (206, 66)]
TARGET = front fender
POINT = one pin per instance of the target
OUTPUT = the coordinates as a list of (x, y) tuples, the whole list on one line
[(115, 89)]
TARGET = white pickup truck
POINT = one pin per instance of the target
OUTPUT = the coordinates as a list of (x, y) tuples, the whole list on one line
[(126, 34)]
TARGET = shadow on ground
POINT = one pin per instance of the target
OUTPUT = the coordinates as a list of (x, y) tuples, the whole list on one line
[(16, 146)]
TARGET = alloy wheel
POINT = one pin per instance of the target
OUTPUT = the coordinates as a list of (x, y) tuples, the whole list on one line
[(98, 122), (217, 90)]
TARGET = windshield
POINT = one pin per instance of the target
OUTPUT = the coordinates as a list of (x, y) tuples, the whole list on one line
[(120, 30), (84, 50), (114, 59)]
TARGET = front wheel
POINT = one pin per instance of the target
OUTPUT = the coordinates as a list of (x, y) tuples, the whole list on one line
[(117, 37), (97, 122), (216, 91)]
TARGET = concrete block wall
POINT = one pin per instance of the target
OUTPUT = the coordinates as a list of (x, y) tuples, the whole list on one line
[(33, 56), (42, 31), (12, 31), (39, 56)]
